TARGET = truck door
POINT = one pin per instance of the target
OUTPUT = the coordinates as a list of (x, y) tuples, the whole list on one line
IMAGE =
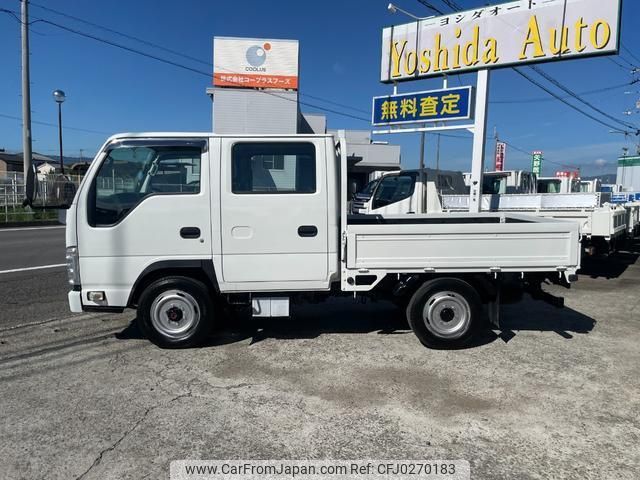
[(274, 217), (394, 195)]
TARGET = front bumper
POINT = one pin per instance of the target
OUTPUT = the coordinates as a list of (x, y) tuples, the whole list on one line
[(75, 301)]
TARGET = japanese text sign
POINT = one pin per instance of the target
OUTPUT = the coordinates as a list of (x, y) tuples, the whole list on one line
[(514, 33), (420, 107), (536, 164)]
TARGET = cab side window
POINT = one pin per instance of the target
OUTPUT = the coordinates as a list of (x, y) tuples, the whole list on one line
[(392, 189), (131, 173), (273, 168)]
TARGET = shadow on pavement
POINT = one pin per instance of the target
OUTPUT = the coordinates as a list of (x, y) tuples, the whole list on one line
[(344, 317), (614, 265)]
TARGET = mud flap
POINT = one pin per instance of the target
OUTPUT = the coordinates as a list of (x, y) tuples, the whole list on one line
[(494, 308)]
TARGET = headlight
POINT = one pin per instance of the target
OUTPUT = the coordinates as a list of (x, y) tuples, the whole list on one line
[(73, 271)]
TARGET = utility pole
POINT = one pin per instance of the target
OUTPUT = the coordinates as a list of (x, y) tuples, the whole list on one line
[(495, 148), (26, 103), (422, 175)]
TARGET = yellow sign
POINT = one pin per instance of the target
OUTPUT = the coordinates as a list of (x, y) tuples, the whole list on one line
[(520, 32)]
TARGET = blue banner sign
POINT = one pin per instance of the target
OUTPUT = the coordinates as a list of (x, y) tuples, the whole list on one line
[(625, 197), (420, 107)]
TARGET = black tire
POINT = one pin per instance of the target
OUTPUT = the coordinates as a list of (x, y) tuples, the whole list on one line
[(176, 312), (456, 312)]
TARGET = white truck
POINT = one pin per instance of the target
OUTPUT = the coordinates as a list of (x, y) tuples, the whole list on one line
[(603, 225), (506, 182), (565, 184), (177, 225)]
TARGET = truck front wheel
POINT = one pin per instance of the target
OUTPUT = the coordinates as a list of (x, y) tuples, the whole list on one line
[(175, 312), (444, 313)]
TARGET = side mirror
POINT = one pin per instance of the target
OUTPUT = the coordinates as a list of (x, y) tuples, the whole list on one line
[(55, 191), (353, 189)]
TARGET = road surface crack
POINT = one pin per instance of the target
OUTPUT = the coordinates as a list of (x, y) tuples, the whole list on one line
[(115, 445), (188, 394)]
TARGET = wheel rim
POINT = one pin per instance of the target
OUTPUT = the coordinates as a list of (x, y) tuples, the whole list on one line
[(175, 314), (447, 315)]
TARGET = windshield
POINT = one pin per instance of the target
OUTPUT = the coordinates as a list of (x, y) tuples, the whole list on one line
[(493, 185), (368, 189), (549, 186)]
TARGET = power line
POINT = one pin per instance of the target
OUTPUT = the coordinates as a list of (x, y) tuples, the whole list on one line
[(521, 150), (625, 68), (430, 6), (555, 95), (630, 52), (125, 35), (173, 52), (64, 127), (454, 6), (195, 70), (562, 87), (547, 99)]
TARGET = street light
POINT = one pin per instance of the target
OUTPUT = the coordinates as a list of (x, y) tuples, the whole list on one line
[(59, 97), (395, 9)]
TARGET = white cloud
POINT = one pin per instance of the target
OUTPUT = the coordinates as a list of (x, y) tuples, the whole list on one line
[(601, 162)]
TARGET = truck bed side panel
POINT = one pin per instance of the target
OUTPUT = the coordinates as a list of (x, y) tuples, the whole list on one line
[(539, 244)]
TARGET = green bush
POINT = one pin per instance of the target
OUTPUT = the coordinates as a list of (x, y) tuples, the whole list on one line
[(22, 214)]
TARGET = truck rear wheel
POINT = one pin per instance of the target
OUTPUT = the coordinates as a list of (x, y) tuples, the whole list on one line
[(175, 312), (444, 313)]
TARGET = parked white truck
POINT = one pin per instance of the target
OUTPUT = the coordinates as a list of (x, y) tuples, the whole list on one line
[(603, 225), (176, 225)]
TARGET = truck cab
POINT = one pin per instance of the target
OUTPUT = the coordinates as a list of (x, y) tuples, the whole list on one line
[(506, 182), (563, 184), (410, 191)]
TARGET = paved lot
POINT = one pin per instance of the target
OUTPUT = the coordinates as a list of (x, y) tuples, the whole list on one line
[(554, 395)]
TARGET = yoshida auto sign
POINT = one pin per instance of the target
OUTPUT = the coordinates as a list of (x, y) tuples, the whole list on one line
[(255, 63), (513, 33)]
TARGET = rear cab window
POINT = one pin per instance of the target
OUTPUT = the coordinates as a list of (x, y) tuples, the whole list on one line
[(273, 168)]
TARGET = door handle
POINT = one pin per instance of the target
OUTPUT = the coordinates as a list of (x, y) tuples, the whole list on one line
[(307, 230), (190, 232)]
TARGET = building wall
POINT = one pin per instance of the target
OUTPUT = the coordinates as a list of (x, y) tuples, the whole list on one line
[(238, 111), (281, 179), (629, 173)]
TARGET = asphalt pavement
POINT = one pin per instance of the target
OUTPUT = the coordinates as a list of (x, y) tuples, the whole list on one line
[(31, 247), (552, 395)]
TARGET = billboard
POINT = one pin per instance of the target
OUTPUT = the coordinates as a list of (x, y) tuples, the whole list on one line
[(255, 63), (514, 33), (501, 153), (536, 163), (422, 107)]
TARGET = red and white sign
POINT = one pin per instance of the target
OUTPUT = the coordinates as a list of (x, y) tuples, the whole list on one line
[(501, 154), (255, 63), (568, 174)]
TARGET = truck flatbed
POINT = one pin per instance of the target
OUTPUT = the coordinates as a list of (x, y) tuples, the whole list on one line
[(456, 242), (596, 217)]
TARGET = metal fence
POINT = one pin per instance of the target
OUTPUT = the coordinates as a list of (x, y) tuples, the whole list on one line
[(12, 193)]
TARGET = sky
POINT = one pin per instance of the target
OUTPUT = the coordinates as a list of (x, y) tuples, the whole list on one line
[(110, 90)]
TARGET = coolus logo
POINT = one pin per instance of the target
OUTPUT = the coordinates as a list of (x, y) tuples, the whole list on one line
[(256, 56)]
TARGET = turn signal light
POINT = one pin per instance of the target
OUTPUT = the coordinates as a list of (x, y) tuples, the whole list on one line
[(96, 296)]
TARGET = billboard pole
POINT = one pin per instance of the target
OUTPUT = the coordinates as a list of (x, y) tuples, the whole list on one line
[(479, 142)]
